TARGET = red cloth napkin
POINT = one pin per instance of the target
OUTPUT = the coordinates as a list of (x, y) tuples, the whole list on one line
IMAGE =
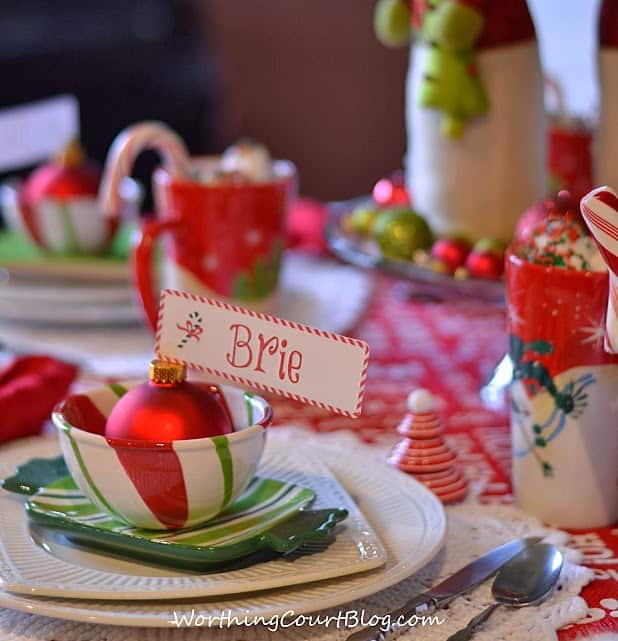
[(30, 387)]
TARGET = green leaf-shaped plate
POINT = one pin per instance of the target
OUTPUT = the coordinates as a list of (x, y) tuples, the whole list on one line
[(35, 474), (267, 518)]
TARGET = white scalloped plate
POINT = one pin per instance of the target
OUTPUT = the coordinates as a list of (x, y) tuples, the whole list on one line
[(40, 562), (64, 295), (408, 519)]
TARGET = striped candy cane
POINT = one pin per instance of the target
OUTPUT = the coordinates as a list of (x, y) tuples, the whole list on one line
[(600, 211), (127, 146)]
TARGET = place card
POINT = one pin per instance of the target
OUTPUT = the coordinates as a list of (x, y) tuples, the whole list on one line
[(263, 352), (33, 132)]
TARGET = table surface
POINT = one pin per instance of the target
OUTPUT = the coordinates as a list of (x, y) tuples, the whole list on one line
[(451, 348)]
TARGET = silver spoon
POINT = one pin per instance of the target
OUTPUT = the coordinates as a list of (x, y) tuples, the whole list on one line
[(527, 579)]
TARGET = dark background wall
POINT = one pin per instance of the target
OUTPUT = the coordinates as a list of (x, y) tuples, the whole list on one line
[(306, 78), (310, 80)]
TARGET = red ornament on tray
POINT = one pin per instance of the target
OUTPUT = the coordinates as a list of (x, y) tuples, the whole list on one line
[(451, 252), (390, 192), (167, 408), (423, 452), (486, 260)]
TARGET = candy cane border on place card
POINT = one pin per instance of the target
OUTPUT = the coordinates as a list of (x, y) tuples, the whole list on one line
[(353, 411)]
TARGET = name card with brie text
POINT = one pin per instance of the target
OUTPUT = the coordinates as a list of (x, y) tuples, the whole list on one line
[(263, 352)]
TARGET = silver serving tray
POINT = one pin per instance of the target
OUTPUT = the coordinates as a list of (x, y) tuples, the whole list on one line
[(366, 254)]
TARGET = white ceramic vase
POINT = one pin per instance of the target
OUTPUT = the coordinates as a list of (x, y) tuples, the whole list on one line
[(478, 185)]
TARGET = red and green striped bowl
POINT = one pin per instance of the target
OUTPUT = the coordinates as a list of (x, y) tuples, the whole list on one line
[(73, 225), (160, 486)]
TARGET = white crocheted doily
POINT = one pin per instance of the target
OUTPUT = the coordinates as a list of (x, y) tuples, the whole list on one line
[(472, 530)]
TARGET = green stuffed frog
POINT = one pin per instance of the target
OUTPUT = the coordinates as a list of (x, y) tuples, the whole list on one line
[(450, 83)]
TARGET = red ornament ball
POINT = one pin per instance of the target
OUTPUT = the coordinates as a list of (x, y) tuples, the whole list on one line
[(485, 265), (67, 176), (389, 192), (530, 219), (305, 226), (167, 408), (451, 252), (486, 260), (562, 205)]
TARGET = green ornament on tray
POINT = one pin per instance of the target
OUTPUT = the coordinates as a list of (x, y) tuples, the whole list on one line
[(400, 232), (362, 219)]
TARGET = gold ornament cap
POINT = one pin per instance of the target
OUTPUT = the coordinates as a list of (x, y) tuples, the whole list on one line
[(72, 156), (165, 373)]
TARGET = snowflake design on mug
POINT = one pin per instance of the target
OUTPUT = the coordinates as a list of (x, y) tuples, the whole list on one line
[(192, 329)]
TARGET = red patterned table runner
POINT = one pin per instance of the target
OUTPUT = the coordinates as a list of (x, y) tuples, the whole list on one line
[(451, 348)]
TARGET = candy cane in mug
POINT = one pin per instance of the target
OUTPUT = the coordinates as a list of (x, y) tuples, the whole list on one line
[(606, 136), (127, 146), (600, 211)]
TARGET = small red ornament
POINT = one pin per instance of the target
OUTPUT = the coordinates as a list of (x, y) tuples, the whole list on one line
[(424, 453), (567, 206), (486, 260), (531, 218), (167, 408), (305, 226), (562, 205), (488, 266), (67, 176), (451, 252), (388, 192)]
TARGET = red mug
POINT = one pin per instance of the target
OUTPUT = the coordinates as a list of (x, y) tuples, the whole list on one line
[(222, 240)]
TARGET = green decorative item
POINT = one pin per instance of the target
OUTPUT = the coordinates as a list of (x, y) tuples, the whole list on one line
[(35, 474), (400, 232), (452, 26), (15, 249), (451, 83), (391, 22), (268, 518), (262, 279), (362, 219), (122, 242)]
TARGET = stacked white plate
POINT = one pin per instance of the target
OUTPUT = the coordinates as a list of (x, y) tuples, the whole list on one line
[(395, 526), (63, 309), (67, 293), (59, 304)]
